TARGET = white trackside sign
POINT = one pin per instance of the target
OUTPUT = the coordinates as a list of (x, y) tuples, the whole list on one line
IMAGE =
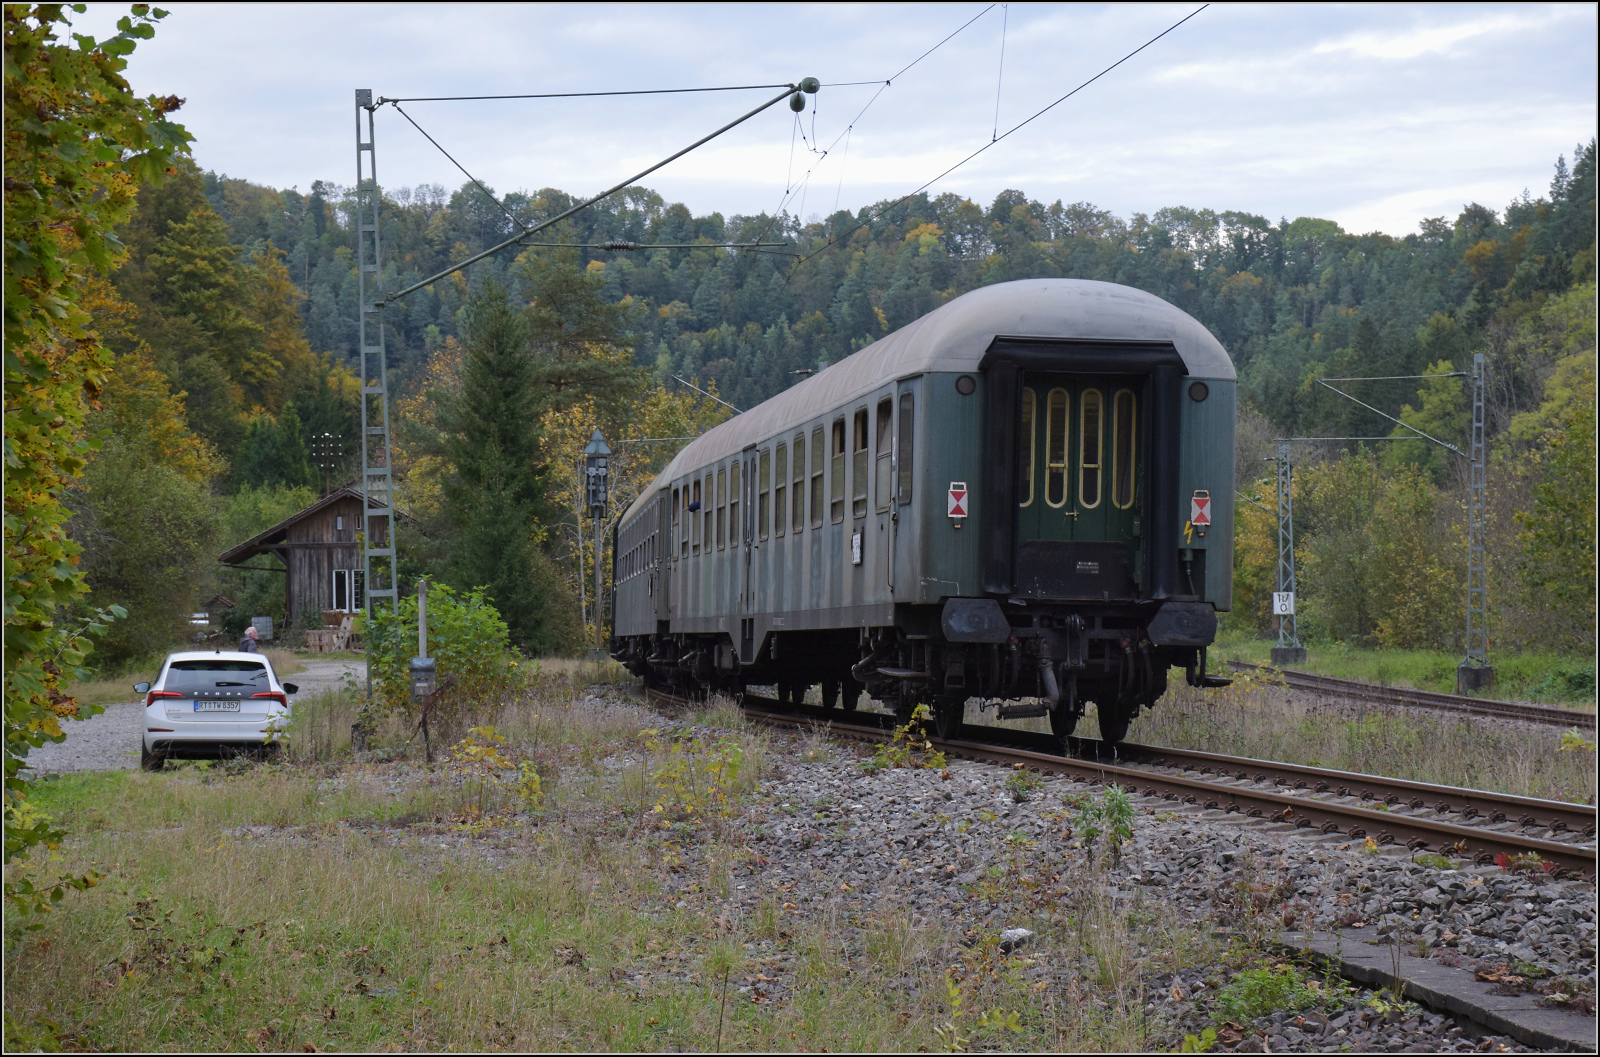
[(1200, 509), (958, 499), (1283, 603)]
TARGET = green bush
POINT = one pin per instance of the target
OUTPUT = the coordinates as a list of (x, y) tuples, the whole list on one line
[(1567, 684), (466, 638)]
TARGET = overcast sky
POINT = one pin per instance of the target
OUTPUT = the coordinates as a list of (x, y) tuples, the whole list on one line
[(1371, 116)]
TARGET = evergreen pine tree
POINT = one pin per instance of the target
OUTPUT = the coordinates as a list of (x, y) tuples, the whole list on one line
[(496, 498)]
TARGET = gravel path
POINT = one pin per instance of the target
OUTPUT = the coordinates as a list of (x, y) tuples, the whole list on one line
[(110, 741)]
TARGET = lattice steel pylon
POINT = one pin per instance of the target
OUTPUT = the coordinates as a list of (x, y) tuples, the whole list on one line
[(379, 577), (1288, 626), (1477, 573)]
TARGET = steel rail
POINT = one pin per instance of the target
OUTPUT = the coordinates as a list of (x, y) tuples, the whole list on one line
[(1404, 695), (1555, 815), (1330, 817)]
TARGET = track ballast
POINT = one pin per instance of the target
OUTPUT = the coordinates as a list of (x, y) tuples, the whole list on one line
[(1467, 823)]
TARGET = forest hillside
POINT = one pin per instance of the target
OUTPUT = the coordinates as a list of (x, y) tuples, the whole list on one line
[(243, 299)]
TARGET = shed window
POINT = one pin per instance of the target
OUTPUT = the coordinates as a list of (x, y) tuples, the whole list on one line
[(1089, 439), (1055, 447), (764, 487), (836, 488), (908, 436), (799, 518), (883, 456), (817, 459), (780, 490), (858, 466), (1122, 449), (1029, 448), (341, 591), (722, 508)]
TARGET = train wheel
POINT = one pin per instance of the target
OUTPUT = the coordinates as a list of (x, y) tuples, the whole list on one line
[(1114, 720), (948, 715), (1063, 722), (830, 693)]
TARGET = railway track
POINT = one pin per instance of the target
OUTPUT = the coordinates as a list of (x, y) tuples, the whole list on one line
[(1464, 823), (1404, 695)]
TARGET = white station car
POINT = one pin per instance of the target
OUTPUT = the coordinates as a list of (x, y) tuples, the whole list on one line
[(209, 704)]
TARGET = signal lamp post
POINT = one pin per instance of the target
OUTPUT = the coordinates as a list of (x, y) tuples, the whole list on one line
[(597, 475)]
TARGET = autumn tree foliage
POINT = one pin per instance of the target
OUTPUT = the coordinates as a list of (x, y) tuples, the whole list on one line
[(78, 142)]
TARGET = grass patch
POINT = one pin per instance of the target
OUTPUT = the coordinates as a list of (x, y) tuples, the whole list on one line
[(1256, 993), (376, 904), (1549, 678), (1255, 718)]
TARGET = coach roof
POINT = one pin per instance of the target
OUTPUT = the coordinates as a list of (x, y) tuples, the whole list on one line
[(954, 337)]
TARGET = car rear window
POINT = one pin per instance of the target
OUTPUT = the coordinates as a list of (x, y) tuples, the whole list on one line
[(184, 676)]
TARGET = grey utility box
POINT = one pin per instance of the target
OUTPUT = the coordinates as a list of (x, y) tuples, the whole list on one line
[(422, 678)]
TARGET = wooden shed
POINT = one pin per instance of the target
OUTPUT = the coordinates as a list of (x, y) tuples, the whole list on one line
[(320, 557)]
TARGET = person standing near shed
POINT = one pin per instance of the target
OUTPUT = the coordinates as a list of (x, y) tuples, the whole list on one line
[(247, 643)]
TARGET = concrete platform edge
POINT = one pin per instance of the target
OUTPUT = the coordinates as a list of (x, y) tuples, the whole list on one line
[(1357, 954)]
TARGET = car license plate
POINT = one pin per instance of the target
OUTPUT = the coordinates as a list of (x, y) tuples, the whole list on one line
[(216, 706)]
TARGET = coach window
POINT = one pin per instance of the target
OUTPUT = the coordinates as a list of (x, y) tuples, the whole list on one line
[(836, 470), (1029, 446), (1089, 442), (695, 506), (780, 490), (680, 528), (817, 461), (858, 466), (1122, 454), (798, 519), (735, 530), (1055, 447), (908, 436), (722, 508), (763, 487), (710, 510), (883, 456)]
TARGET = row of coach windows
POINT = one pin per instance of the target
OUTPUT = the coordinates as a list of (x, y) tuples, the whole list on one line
[(794, 475), (1091, 468), (639, 558)]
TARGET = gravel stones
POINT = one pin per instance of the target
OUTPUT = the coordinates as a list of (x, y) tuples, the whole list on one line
[(941, 843)]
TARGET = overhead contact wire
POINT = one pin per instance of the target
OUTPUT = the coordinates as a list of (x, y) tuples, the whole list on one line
[(575, 95), (1033, 117), (1005, 20), (463, 168)]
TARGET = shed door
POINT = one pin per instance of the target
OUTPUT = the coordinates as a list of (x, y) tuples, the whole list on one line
[(1079, 487)]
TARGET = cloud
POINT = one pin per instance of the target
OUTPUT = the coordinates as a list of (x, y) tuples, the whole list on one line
[(1376, 112), (1425, 40)]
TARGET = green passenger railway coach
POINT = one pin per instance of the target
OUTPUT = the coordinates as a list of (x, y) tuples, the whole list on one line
[(1022, 497)]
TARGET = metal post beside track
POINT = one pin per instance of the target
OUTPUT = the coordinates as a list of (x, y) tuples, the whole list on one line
[(1288, 650), (1475, 672), (378, 573)]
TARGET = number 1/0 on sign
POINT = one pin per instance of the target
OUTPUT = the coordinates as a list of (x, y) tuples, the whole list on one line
[(1283, 603)]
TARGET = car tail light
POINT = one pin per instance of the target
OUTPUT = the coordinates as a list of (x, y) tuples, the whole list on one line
[(282, 699), (150, 698)]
